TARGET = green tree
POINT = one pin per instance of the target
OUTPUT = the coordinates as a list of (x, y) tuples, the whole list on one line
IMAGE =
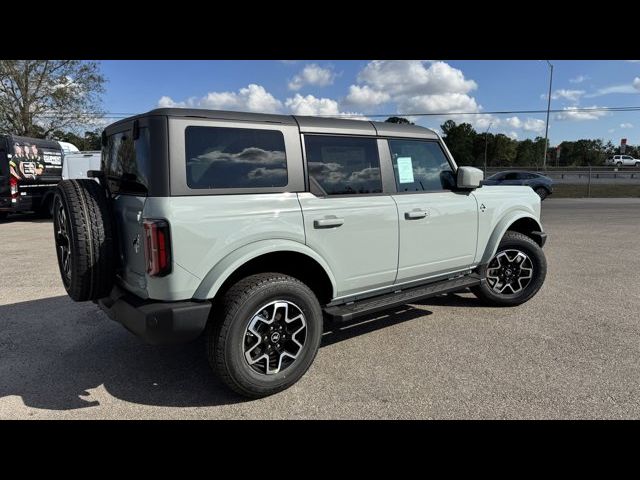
[(40, 96), (460, 141), (401, 120)]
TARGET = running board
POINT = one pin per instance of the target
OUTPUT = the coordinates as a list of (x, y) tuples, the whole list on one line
[(348, 311)]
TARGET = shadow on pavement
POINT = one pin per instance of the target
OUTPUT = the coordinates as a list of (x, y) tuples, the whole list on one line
[(25, 217), (54, 351)]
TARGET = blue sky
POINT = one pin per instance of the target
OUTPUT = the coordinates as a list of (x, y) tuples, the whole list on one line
[(366, 87)]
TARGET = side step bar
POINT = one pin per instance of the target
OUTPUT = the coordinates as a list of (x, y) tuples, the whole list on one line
[(348, 311)]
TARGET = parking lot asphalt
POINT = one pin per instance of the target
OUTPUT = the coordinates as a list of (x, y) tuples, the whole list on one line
[(573, 351)]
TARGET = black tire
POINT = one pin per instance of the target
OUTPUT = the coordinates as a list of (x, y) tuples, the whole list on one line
[(517, 241), (619, 164), (542, 192), (83, 209), (637, 164), (226, 335)]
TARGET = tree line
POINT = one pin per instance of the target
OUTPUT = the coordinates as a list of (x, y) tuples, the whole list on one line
[(468, 148), (51, 99)]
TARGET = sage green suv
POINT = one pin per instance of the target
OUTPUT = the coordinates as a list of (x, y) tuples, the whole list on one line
[(251, 229)]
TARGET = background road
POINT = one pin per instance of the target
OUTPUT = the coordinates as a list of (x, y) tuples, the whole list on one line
[(571, 352)]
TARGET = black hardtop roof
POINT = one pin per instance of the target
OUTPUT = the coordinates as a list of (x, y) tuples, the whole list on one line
[(41, 142), (308, 123)]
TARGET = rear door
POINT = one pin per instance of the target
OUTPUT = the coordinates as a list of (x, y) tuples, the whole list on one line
[(348, 218), (126, 164), (438, 225)]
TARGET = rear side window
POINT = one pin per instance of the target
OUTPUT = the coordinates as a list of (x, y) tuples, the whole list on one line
[(126, 162), (342, 165), (420, 166), (221, 157)]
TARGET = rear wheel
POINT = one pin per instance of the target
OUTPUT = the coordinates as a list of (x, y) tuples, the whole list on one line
[(267, 336), (542, 192), (514, 274), (84, 239), (619, 164)]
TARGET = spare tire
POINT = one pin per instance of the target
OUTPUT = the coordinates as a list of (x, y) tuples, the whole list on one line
[(84, 237)]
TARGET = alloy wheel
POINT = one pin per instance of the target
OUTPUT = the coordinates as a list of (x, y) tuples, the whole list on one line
[(275, 337), (509, 272)]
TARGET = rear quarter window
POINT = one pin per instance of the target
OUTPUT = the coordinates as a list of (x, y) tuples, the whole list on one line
[(225, 157)]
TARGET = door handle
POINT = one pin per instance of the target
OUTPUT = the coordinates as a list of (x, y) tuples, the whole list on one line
[(415, 214), (331, 222)]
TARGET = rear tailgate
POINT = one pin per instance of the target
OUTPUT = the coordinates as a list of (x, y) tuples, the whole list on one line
[(128, 216)]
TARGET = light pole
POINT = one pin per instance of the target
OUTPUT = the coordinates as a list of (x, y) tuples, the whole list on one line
[(546, 130), (486, 143)]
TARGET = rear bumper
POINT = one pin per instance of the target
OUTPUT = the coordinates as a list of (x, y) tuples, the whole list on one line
[(157, 322)]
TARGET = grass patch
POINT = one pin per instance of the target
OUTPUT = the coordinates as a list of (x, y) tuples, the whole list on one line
[(570, 190)]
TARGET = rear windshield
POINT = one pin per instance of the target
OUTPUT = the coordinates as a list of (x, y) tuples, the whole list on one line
[(126, 162)]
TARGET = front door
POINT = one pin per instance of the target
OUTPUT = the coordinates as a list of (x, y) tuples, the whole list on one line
[(347, 218), (438, 225)]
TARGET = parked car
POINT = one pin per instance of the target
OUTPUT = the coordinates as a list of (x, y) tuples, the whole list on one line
[(540, 184), (76, 165), (68, 147), (30, 168), (249, 228), (623, 161)]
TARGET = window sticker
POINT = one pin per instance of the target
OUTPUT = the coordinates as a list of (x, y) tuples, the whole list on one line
[(405, 170)]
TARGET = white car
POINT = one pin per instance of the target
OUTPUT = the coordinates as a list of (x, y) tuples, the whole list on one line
[(76, 165), (623, 161)]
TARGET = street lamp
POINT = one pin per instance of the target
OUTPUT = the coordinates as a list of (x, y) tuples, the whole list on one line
[(546, 130), (486, 143)]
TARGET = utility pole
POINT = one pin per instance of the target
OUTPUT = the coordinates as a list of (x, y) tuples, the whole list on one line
[(546, 131), (486, 144)]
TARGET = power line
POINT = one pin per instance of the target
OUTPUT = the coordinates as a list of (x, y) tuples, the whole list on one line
[(117, 115)]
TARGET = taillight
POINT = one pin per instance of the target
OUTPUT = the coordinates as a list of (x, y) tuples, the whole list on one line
[(13, 183), (157, 247)]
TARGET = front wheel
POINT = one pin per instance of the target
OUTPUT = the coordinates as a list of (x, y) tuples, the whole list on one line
[(619, 164), (267, 335), (514, 274), (637, 164)]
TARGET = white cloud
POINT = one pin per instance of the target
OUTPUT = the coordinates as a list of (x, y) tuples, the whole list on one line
[(626, 125), (534, 125), (566, 94), (625, 88), (514, 122), (578, 79), (415, 77), (611, 130), (253, 98), (365, 96), (571, 113), (312, 74), (435, 103), (310, 105)]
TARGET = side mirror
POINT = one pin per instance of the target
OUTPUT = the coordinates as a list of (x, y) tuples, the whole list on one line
[(469, 177)]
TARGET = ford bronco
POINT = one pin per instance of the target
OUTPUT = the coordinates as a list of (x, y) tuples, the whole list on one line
[(250, 229)]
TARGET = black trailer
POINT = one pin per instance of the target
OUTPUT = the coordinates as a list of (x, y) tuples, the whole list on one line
[(30, 168)]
